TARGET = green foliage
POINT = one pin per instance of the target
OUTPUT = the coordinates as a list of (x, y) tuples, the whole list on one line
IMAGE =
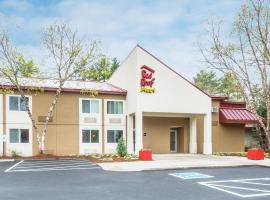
[(228, 87), (207, 81), (210, 83), (121, 147), (101, 70), (27, 68), (14, 154)]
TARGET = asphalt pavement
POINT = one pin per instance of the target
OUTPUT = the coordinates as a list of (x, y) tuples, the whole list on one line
[(22, 180)]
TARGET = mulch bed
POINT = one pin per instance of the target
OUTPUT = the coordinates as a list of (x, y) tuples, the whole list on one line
[(52, 157)]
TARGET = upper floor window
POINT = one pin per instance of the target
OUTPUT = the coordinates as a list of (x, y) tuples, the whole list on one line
[(18, 135), (114, 107), (16, 103), (90, 106)]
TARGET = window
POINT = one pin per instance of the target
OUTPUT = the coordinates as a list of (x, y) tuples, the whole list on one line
[(114, 135), (14, 136), (90, 136), (90, 106), (17, 104), (19, 136), (114, 107)]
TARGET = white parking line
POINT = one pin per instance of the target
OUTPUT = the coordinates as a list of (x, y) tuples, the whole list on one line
[(54, 169), (7, 170), (250, 183), (53, 165), (45, 165)]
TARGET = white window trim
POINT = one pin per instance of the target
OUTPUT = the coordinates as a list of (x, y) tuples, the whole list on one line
[(115, 100), (90, 99), (114, 135), (90, 129), (20, 138), (19, 96)]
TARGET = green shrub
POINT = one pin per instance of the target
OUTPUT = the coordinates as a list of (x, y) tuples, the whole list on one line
[(121, 147), (14, 153)]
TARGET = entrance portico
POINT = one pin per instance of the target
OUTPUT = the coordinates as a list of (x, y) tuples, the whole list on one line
[(160, 100), (168, 133)]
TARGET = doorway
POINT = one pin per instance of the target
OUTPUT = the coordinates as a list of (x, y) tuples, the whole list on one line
[(173, 140)]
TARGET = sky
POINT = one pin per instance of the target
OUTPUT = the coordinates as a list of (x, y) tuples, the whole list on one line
[(169, 29)]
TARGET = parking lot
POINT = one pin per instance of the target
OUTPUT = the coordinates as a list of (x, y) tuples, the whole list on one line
[(80, 179), (51, 165)]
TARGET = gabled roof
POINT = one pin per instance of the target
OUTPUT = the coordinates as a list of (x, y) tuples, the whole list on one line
[(69, 86), (171, 69)]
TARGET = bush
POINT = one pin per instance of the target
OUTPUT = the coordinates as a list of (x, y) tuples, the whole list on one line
[(14, 153), (121, 147)]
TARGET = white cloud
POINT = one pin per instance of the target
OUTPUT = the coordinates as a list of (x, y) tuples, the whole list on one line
[(169, 29)]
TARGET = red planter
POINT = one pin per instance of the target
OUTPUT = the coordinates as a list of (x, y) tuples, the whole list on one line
[(256, 154), (145, 154)]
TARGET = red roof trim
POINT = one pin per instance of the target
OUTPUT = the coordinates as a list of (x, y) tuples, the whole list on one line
[(51, 89), (218, 97), (172, 69)]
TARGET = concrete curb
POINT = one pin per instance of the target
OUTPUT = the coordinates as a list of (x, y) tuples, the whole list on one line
[(6, 160), (209, 167)]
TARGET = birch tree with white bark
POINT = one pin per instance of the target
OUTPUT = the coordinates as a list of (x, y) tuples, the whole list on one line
[(69, 56), (245, 54)]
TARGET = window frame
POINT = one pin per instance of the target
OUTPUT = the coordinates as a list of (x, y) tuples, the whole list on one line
[(90, 106), (115, 139), (20, 106), (19, 136), (90, 136), (114, 101)]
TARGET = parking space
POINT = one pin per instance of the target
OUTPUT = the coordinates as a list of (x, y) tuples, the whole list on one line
[(242, 187), (51, 165), (80, 179)]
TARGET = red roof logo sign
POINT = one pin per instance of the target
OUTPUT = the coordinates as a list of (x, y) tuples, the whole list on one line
[(147, 80)]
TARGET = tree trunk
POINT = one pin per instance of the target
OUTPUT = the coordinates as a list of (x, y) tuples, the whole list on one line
[(48, 117)]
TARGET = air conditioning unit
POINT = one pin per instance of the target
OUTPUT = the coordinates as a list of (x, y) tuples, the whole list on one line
[(92, 120), (115, 120), (214, 109)]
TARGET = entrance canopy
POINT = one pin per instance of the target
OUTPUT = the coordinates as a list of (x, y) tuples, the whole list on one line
[(237, 116)]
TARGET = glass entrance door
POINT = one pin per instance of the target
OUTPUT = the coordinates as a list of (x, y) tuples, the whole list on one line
[(173, 140)]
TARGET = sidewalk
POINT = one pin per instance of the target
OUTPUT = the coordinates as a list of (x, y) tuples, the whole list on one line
[(183, 161)]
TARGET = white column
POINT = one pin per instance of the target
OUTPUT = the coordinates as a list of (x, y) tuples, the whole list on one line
[(193, 135), (130, 148), (207, 145), (138, 131)]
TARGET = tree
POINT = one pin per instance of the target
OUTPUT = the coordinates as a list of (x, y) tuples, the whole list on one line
[(207, 81), (70, 55), (121, 147), (246, 55), (100, 70), (228, 87), (224, 86)]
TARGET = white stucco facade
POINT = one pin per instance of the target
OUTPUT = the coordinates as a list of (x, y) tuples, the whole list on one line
[(173, 96)]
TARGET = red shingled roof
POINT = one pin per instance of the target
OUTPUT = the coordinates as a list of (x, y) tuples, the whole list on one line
[(237, 116)]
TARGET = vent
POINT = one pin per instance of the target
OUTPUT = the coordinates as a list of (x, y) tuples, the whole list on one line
[(115, 120), (91, 120), (90, 151), (43, 119), (214, 109)]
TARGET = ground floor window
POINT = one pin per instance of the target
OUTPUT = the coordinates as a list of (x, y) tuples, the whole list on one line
[(19, 135), (114, 135), (90, 136)]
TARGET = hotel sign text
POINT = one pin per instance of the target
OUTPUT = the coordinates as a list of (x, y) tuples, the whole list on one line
[(147, 80)]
